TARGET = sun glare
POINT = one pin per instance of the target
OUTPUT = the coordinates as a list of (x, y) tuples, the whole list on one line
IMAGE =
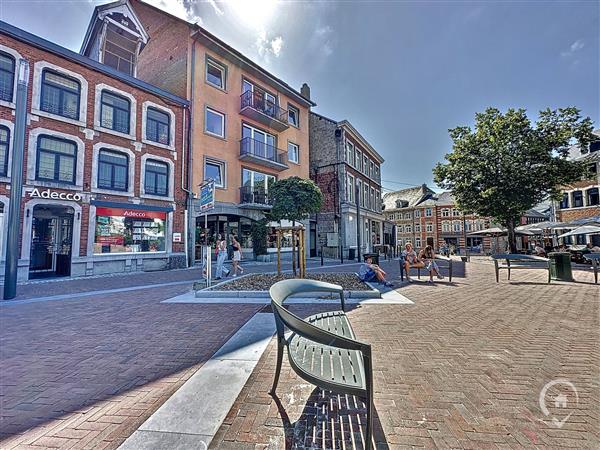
[(253, 13)]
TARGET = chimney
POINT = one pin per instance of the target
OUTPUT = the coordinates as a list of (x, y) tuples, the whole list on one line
[(305, 91)]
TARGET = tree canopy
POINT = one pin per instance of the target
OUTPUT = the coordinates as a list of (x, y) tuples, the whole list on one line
[(294, 199), (506, 165)]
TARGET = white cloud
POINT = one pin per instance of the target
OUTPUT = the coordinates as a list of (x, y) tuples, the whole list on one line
[(180, 8), (323, 40), (215, 6), (268, 45), (573, 48)]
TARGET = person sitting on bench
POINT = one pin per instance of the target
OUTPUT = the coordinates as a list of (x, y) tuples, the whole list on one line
[(411, 260), (427, 255), (372, 272)]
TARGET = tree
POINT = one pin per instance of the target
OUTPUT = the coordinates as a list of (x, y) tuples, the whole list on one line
[(505, 166), (259, 234), (294, 199)]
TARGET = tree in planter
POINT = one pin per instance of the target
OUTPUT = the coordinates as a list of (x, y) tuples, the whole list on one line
[(506, 165), (259, 233), (294, 199)]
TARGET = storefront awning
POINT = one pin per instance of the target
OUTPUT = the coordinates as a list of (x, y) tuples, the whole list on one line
[(139, 207)]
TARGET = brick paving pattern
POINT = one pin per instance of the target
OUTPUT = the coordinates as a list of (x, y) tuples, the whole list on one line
[(87, 373), (461, 368)]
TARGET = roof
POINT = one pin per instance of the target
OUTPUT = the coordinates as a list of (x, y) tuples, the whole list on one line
[(534, 213), (413, 196), (445, 198), (576, 153), (51, 47), (346, 124), (198, 30)]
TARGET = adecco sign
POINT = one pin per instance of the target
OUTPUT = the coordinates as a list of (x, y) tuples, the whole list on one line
[(73, 196)]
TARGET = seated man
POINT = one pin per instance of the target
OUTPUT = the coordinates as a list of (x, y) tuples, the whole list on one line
[(372, 272), (411, 260)]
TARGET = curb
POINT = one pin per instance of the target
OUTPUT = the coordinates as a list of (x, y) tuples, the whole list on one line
[(209, 293)]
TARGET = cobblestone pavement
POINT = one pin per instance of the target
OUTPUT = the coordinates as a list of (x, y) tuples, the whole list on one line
[(85, 373), (461, 368)]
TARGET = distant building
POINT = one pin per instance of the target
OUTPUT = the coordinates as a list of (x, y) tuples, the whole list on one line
[(344, 165), (581, 199)]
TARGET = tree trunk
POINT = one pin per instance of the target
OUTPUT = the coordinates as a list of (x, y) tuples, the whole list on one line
[(512, 238), (293, 249)]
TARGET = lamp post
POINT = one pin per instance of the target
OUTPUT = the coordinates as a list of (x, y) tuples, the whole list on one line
[(16, 183)]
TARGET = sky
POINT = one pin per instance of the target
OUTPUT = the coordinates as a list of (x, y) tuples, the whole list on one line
[(401, 72)]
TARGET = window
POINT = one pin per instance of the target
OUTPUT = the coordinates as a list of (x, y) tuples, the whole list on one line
[(113, 170), (455, 212), (293, 153), (456, 227), (365, 167), (350, 153), (372, 168), (400, 228), (360, 193), (468, 225), (445, 212), (429, 228), (358, 160), (255, 186), (214, 123), (4, 144), (156, 180), (56, 160), (293, 115), (350, 189), (376, 176), (446, 226), (407, 216), (564, 203), (407, 228), (158, 126), (118, 232), (7, 76), (367, 204), (418, 242), (417, 213), (60, 95), (378, 200), (373, 205), (259, 143), (215, 74), (417, 228), (215, 170), (592, 197), (120, 49), (114, 112), (577, 199), (594, 146), (428, 212)]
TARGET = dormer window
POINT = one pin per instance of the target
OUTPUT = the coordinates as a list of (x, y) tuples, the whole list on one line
[(120, 49)]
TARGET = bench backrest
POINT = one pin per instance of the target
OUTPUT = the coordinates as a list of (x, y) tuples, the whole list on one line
[(281, 290)]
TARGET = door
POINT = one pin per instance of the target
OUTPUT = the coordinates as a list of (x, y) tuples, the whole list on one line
[(51, 241), (313, 240)]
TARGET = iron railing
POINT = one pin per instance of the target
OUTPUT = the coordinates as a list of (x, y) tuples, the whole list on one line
[(254, 195), (253, 147), (256, 100)]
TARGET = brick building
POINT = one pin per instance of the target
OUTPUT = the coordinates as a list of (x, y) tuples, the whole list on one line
[(343, 164), (103, 160), (581, 200), (424, 217), (248, 127)]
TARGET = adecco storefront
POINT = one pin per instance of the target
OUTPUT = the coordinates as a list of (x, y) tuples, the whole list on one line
[(69, 234)]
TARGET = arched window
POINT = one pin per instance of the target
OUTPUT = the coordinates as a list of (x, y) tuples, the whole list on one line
[(113, 170), (115, 112), (4, 143), (158, 126), (7, 76), (156, 179), (60, 94)]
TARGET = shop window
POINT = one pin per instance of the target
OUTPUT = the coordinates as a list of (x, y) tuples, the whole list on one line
[(215, 73), (592, 197), (158, 126), (60, 95), (293, 115), (129, 231), (113, 170), (56, 160), (564, 203), (293, 153), (215, 170), (4, 144), (156, 178), (115, 112), (577, 199), (7, 76)]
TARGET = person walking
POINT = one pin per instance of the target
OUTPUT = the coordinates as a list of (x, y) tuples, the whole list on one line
[(221, 250), (237, 256)]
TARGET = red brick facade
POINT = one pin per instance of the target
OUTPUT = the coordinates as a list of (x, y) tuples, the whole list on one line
[(90, 138)]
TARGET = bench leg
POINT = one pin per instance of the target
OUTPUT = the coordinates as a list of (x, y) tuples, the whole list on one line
[(419, 273), (369, 436), (497, 271), (278, 368), (400, 261), (450, 271)]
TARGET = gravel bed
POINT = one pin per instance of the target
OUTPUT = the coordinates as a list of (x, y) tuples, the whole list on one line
[(262, 282)]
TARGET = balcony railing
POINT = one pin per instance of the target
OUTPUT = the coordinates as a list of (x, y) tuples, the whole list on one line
[(255, 196), (254, 105), (262, 153)]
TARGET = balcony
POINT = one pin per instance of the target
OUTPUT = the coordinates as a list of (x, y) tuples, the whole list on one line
[(254, 198), (261, 153), (254, 105)]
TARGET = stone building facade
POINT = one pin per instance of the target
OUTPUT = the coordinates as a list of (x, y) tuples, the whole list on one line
[(347, 169), (102, 190)]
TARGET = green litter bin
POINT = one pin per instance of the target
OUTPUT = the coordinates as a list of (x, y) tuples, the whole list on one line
[(560, 266)]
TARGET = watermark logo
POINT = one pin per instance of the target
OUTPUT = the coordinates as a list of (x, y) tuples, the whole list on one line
[(556, 396)]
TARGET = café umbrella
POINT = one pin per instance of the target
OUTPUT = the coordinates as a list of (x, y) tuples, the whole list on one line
[(586, 229)]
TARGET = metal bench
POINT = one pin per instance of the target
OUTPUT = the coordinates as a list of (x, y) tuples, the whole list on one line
[(523, 262), (322, 348), (437, 258), (595, 259)]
